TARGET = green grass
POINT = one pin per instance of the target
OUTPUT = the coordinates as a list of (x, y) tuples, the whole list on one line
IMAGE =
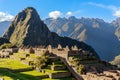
[(33, 56), (22, 54), (68, 78), (12, 64), (33, 73), (6, 65), (8, 75), (51, 71)]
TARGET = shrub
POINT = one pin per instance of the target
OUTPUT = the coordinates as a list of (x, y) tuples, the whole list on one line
[(81, 69), (41, 61)]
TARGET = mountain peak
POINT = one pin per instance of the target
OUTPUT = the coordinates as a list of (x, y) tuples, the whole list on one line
[(27, 12), (26, 28), (72, 18), (29, 8)]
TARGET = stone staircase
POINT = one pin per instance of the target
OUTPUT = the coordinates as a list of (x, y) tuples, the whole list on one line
[(71, 69)]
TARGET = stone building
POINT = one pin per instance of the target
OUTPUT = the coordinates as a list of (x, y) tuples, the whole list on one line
[(29, 50), (113, 73), (106, 75), (5, 53)]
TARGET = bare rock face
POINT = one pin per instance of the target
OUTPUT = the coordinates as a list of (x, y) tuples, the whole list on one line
[(116, 61), (27, 29)]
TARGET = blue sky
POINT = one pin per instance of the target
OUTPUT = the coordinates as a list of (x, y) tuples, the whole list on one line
[(103, 9)]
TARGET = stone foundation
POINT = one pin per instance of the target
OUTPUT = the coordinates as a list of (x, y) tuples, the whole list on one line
[(58, 67), (59, 75)]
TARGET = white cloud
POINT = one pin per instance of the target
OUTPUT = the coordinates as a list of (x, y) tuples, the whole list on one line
[(68, 13), (117, 13), (114, 9), (111, 7), (96, 4), (55, 14), (5, 17)]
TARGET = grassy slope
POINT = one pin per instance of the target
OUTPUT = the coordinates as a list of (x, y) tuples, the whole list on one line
[(28, 75), (12, 64)]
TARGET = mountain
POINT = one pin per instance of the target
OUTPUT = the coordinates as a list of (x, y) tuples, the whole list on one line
[(3, 26), (93, 31), (116, 23), (27, 29)]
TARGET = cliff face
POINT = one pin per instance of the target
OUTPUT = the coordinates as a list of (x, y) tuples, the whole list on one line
[(27, 29), (116, 61)]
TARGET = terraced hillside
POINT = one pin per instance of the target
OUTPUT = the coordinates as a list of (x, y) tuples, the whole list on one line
[(20, 66)]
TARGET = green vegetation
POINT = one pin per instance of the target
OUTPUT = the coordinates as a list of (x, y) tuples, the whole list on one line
[(12, 64), (53, 71), (81, 69), (7, 45), (81, 62), (41, 61), (8, 75), (33, 73), (13, 69), (67, 78)]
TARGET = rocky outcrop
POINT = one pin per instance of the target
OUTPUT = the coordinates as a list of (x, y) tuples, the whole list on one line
[(116, 61)]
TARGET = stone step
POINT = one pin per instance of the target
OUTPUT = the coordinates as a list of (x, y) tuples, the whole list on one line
[(58, 67), (59, 75)]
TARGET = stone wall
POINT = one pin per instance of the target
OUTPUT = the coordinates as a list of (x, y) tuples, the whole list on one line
[(58, 67), (59, 75), (106, 75), (5, 53)]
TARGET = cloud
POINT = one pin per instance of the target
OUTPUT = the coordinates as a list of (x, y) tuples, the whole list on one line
[(5, 17), (114, 9), (68, 13), (55, 14), (117, 13), (111, 7), (96, 4)]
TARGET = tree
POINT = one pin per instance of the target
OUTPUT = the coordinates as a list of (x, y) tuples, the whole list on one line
[(81, 69), (41, 61)]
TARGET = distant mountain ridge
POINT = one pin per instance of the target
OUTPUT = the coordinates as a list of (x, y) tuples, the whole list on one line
[(3, 26), (95, 32)]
